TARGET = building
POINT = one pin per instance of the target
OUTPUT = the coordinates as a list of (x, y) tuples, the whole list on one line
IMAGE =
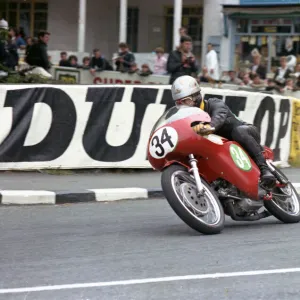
[(149, 23), (272, 27), (235, 27)]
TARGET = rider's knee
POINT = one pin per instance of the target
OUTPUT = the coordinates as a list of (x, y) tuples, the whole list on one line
[(239, 132)]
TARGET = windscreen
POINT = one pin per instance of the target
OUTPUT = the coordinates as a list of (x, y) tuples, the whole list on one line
[(175, 114)]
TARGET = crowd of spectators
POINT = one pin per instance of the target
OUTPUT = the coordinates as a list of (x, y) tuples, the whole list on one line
[(179, 62), (13, 39), (285, 78), (124, 62)]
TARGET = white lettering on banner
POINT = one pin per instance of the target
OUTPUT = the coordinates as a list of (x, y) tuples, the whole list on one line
[(39, 125), (271, 114), (81, 76), (119, 128)]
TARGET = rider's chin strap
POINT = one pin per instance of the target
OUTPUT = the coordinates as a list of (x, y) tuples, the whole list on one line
[(202, 105)]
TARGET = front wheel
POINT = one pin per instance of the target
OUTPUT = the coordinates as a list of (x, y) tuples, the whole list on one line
[(286, 210), (205, 213)]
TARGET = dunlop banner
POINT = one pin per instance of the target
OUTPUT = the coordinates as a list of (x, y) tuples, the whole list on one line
[(295, 134)]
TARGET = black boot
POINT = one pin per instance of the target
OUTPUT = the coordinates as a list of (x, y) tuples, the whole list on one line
[(267, 178)]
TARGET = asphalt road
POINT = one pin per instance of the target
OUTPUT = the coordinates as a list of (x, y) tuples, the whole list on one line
[(43, 181), (98, 242)]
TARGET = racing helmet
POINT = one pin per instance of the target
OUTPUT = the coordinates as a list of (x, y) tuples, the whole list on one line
[(186, 87)]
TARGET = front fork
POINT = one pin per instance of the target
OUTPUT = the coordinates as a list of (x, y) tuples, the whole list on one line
[(195, 171), (282, 181)]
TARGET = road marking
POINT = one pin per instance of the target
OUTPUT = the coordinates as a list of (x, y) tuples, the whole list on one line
[(146, 280)]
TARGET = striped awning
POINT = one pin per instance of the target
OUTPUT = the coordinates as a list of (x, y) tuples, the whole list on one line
[(241, 11)]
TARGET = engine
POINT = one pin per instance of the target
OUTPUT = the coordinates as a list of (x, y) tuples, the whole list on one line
[(248, 205), (241, 205)]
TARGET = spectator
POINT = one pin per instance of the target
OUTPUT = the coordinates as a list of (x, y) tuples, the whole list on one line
[(182, 31), (160, 63), (145, 71), (225, 77), (4, 54), (241, 74), (37, 55), (246, 80), (282, 73), (182, 61), (99, 63), (258, 83), (86, 62), (133, 68), (297, 85), (289, 47), (73, 61), (125, 58), (289, 85), (204, 76), (212, 62), (29, 43), (271, 85), (257, 67), (22, 33), (297, 71), (16, 38), (233, 79), (64, 62), (13, 52)]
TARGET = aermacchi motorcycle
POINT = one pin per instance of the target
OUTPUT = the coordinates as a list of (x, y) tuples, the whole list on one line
[(207, 176)]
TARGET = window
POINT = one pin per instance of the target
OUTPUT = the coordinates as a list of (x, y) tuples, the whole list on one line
[(297, 25), (192, 19), (242, 26), (132, 27), (32, 15), (40, 17), (271, 29)]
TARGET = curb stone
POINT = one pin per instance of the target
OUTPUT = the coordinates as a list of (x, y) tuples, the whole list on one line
[(30, 197), (27, 197)]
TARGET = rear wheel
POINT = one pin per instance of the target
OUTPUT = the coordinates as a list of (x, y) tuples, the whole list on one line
[(285, 209), (205, 213)]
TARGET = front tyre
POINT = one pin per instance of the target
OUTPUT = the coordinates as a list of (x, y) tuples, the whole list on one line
[(286, 210), (203, 214)]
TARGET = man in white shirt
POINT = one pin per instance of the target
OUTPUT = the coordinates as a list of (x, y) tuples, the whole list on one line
[(282, 73), (212, 62)]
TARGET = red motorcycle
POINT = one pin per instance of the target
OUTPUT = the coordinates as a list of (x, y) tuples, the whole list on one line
[(207, 176)]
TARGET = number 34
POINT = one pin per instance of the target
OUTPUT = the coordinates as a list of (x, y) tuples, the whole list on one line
[(163, 142)]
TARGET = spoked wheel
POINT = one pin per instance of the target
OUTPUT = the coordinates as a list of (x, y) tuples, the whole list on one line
[(203, 213), (285, 209)]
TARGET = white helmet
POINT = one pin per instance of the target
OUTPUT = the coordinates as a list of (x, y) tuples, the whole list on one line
[(3, 24), (184, 86)]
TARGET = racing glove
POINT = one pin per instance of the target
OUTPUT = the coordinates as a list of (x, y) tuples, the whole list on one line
[(203, 129)]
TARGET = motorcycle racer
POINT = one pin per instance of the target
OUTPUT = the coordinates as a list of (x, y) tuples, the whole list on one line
[(187, 92)]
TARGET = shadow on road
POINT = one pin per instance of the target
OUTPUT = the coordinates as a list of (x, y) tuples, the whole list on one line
[(181, 229)]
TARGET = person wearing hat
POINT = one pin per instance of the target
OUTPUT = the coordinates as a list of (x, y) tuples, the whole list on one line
[(8, 52), (3, 41)]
